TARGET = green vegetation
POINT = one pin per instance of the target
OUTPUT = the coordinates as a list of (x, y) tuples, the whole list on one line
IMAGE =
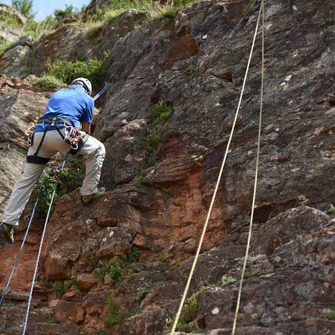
[(70, 179), (26, 59), (189, 314), (139, 177), (115, 272), (61, 14), (59, 287), (227, 281), (72, 283), (95, 22), (160, 115), (48, 81), (142, 291), (190, 70), (51, 320), (61, 72), (7, 304), (114, 317), (154, 9), (93, 262), (25, 7), (330, 315), (332, 211), (106, 134), (246, 8), (164, 11), (31, 27), (114, 266), (25, 70), (68, 71), (9, 21), (94, 30), (109, 266), (37, 29), (5, 45), (130, 258)]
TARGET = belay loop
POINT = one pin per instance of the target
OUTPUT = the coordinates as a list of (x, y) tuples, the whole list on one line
[(72, 136)]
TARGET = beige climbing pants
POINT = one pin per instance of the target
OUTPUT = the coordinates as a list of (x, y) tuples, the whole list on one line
[(94, 155)]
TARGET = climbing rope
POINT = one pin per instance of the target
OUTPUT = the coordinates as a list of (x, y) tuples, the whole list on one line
[(41, 244), (217, 183), (256, 175), (22, 245)]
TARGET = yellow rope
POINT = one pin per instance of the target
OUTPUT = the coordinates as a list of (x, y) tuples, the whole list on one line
[(216, 187), (256, 176)]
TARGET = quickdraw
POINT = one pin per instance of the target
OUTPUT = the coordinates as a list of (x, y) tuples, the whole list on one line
[(72, 136)]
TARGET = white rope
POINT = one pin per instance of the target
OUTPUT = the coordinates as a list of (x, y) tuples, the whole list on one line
[(40, 247), (21, 248), (216, 187), (256, 177)]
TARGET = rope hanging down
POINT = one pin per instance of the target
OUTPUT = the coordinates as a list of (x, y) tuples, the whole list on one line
[(218, 181), (256, 175), (41, 244), (22, 245)]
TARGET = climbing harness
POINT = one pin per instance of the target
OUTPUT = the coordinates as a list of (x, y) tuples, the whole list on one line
[(59, 170), (52, 123), (261, 12), (72, 136)]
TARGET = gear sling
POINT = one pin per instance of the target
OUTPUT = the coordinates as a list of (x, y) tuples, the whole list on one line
[(72, 136)]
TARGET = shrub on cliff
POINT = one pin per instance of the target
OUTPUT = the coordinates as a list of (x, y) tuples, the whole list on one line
[(67, 71), (25, 7), (48, 81)]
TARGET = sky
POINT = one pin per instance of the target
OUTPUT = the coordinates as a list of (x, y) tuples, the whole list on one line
[(42, 8)]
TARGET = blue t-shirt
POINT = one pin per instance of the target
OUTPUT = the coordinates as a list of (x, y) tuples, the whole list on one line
[(71, 103)]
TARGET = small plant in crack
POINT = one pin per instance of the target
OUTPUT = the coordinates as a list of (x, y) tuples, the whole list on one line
[(160, 115)]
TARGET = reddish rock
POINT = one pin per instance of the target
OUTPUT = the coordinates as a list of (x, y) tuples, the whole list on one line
[(73, 294), (95, 302), (87, 280), (67, 311), (57, 268)]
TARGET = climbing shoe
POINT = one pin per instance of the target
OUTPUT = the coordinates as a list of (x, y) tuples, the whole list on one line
[(7, 232), (87, 199)]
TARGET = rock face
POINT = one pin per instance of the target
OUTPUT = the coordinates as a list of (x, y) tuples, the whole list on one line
[(10, 62), (13, 13), (8, 34), (120, 265), (19, 110)]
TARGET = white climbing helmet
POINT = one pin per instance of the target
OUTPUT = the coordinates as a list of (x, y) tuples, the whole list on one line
[(84, 83)]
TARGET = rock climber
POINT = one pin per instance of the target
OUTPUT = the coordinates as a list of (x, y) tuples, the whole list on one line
[(57, 130)]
